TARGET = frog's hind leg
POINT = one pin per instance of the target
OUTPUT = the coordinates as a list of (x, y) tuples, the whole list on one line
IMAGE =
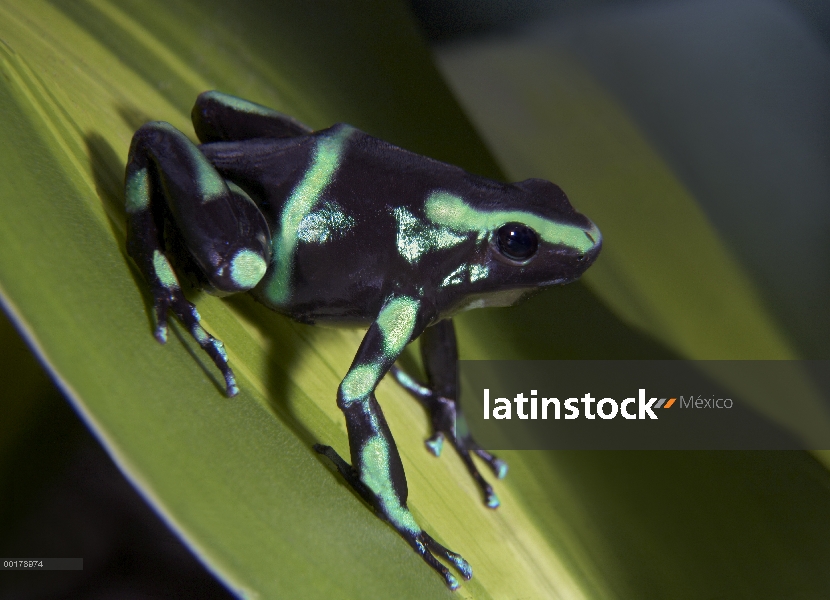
[(440, 356), (219, 117), (376, 472), (226, 235)]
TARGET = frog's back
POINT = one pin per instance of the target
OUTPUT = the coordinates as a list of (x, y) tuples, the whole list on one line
[(342, 207)]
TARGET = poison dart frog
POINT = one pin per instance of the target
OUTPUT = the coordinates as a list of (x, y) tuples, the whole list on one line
[(340, 227)]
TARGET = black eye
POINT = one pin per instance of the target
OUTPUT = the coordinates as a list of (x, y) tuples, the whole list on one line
[(517, 241)]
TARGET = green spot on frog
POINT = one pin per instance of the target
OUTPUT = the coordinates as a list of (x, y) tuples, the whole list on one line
[(138, 191), (478, 272), (396, 322), (247, 268), (415, 238), (164, 271), (330, 222), (455, 277), (374, 472), (360, 382), (210, 184)]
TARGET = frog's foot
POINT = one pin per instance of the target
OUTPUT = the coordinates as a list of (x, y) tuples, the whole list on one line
[(449, 423), (403, 522), (172, 299)]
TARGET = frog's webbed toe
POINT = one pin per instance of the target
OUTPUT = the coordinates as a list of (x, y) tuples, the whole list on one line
[(448, 423)]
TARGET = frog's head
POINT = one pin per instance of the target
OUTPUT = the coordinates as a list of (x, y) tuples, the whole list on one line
[(544, 240), (530, 237)]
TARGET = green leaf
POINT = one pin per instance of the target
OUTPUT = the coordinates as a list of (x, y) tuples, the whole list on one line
[(237, 479)]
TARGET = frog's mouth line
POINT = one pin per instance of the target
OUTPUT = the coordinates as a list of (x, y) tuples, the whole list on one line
[(560, 281)]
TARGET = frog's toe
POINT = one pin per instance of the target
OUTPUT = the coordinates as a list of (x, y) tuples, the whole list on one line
[(446, 420), (465, 448), (175, 301), (435, 444), (348, 472), (491, 500), (161, 329), (161, 334), (498, 466), (420, 392), (428, 548), (161, 304)]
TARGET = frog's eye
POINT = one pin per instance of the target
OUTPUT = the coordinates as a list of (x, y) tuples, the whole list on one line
[(517, 242)]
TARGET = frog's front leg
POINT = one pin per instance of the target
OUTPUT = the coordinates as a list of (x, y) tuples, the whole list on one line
[(376, 472), (220, 226), (440, 355)]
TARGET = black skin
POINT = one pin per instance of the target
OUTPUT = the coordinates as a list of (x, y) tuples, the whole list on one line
[(203, 207)]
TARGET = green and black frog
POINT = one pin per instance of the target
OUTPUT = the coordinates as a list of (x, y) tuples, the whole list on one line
[(336, 226)]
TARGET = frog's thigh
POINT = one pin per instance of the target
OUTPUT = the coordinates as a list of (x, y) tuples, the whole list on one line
[(222, 228), (221, 117), (165, 167)]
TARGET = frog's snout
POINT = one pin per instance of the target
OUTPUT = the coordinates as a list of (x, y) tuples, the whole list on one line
[(569, 261), (595, 237), (589, 252)]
